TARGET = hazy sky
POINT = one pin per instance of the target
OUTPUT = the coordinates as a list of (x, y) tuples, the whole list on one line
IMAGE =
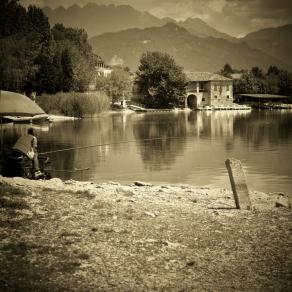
[(235, 17)]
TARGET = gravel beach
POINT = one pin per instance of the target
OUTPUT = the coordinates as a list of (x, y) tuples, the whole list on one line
[(80, 236)]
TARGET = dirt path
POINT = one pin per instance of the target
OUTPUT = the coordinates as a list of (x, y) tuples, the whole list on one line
[(80, 236)]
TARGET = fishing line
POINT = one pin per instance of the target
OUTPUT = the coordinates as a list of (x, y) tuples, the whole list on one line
[(105, 144)]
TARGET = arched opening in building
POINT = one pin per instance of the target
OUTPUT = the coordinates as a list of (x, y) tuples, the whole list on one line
[(192, 101)]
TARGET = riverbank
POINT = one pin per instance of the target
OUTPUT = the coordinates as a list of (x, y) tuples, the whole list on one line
[(80, 236)]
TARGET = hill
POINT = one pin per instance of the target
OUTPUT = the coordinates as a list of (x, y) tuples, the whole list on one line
[(98, 19), (192, 52), (276, 42)]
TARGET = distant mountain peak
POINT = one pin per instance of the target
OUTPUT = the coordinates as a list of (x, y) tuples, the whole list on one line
[(74, 7), (195, 20)]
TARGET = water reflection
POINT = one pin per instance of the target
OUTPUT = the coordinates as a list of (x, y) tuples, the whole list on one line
[(171, 130), (192, 147), (264, 127)]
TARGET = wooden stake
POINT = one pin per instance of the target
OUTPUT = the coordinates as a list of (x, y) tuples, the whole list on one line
[(238, 184)]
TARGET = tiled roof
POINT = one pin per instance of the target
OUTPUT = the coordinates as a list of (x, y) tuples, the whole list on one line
[(205, 76)]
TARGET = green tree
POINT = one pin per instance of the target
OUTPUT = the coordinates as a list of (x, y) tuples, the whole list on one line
[(46, 74), (13, 18), (257, 72), (40, 27), (273, 70), (272, 82), (285, 83), (82, 60), (119, 85), (160, 82), (226, 71), (35, 57), (68, 81), (247, 84)]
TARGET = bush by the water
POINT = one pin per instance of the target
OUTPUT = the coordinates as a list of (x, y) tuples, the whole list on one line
[(74, 104)]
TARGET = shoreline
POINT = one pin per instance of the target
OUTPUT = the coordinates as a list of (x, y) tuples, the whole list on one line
[(217, 197)]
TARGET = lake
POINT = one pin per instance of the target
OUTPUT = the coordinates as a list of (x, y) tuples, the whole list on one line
[(171, 147)]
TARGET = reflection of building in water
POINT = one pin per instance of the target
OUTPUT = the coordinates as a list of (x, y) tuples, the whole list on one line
[(208, 89), (120, 123), (212, 123), (222, 124), (103, 151)]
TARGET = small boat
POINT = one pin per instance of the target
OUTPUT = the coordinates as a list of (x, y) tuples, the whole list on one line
[(42, 118), (137, 108)]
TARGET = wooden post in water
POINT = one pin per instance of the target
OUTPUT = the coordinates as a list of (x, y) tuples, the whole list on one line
[(238, 184)]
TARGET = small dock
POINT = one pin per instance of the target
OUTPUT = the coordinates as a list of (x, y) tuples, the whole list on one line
[(224, 107), (142, 109), (272, 106), (201, 108)]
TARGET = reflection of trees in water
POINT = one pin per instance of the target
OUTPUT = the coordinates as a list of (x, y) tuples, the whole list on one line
[(263, 127), (160, 154)]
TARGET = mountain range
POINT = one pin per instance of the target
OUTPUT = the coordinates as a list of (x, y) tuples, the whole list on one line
[(98, 19), (123, 33), (189, 51), (276, 42)]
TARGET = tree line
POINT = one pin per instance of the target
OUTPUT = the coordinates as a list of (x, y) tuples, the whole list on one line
[(255, 80), (36, 57)]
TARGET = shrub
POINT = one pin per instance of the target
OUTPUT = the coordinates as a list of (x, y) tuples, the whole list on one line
[(74, 104)]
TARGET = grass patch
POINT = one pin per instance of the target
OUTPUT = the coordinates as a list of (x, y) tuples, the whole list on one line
[(7, 190), (11, 197)]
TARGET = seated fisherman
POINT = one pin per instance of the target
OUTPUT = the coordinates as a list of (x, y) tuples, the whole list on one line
[(27, 145)]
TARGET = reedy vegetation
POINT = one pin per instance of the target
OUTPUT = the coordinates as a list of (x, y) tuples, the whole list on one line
[(74, 104)]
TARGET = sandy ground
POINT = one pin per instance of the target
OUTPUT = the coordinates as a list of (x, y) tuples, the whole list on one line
[(80, 236)]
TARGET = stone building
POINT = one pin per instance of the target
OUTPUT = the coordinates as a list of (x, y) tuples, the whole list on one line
[(102, 70), (208, 89)]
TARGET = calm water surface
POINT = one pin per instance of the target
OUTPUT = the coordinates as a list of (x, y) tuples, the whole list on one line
[(192, 147)]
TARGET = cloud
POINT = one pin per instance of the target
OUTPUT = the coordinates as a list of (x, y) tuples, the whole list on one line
[(250, 15)]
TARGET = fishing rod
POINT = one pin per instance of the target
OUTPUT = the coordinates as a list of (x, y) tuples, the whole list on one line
[(105, 144), (68, 170)]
